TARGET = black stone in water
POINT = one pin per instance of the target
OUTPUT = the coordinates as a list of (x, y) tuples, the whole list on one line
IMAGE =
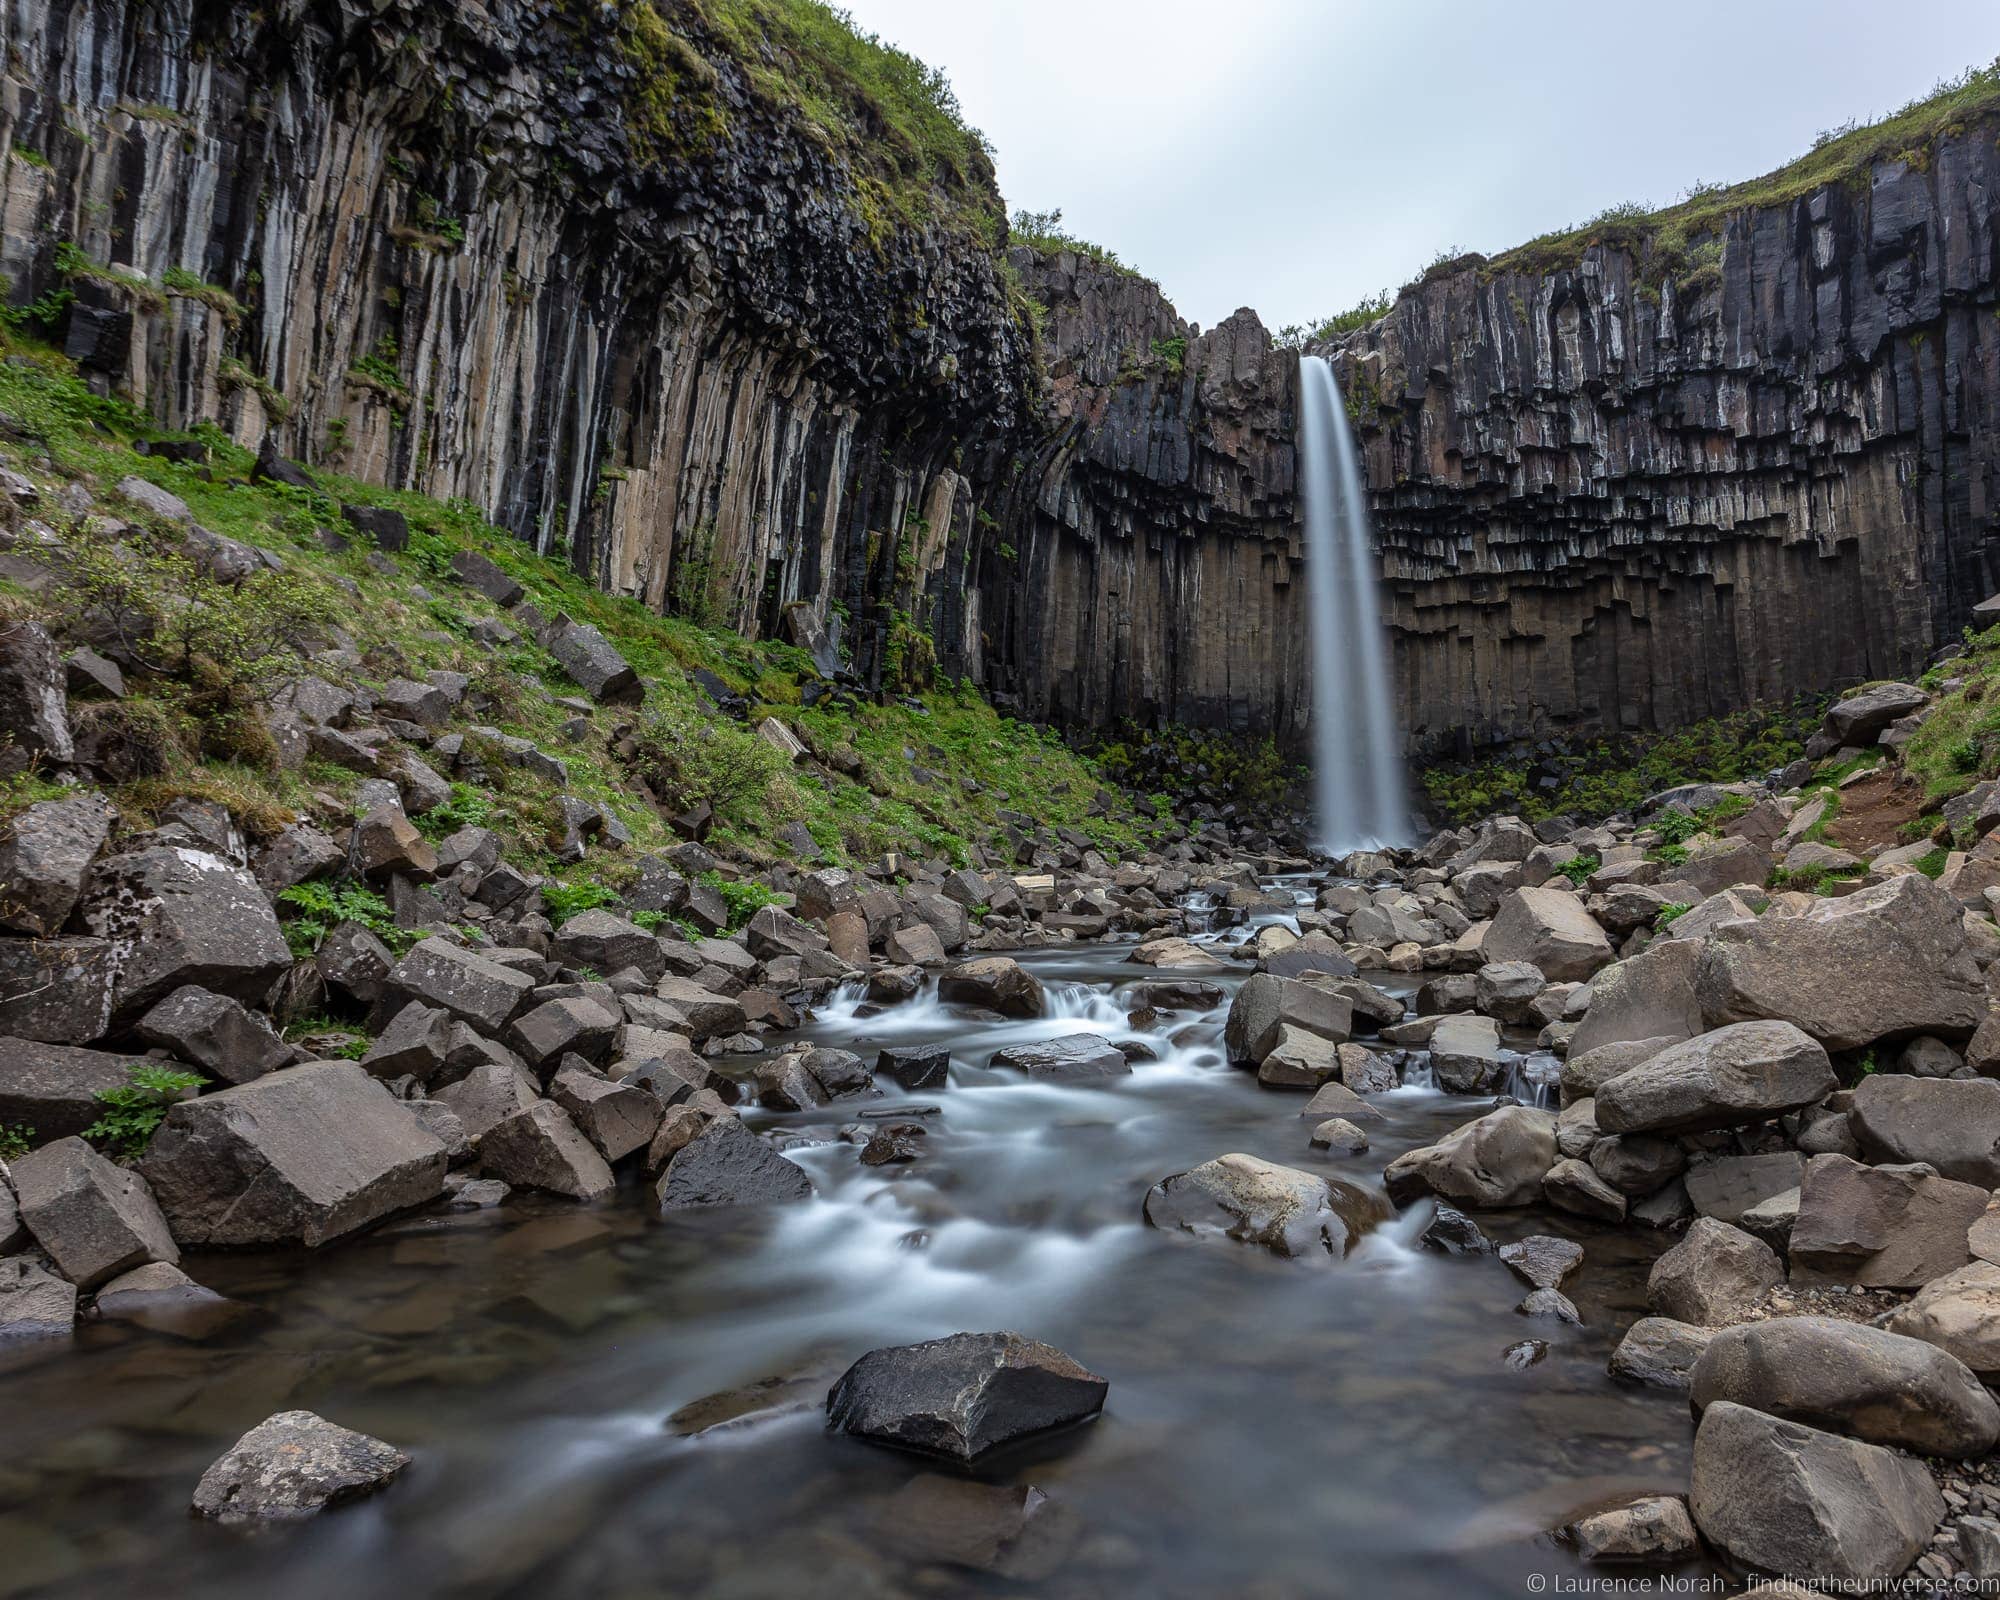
[(1455, 1234), (923, 1066)]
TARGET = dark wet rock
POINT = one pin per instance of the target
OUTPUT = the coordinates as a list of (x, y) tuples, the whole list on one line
[(840, 1072), (479, 573), (1177, 994), (1715, 1274), (996, 983), (303, 1155), (295, 1464), (572, 1025), (1451, 1232), (539, 1147), (1266, 1004), (45, 857), (1660, 1352), (1071, 1056), (161, 1298), (1014, 1531), (1287, 1211), (215, 1033), (727, 1165), (95, 1219), (963, 1396), (916, 1066), (1550, 1303), (1783, 1497), (1745, 1073), (1850, 1378), (1542, 1261), (34, 711), (893, 1143), (594, 662), (1573, 1186), (53, 1088)]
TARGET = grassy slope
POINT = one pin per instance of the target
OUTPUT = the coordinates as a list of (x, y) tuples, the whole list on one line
[(413, 618)]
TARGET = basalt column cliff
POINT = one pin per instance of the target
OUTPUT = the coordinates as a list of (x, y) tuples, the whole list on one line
[(601, 272)]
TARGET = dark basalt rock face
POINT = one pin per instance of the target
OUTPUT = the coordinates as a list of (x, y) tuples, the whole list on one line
[(1616, 494)]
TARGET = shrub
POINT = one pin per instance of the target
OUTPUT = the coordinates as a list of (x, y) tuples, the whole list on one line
[(744, 897), (1670, 913), (566, 900), (315, 909), (16, 1140), (688, 759), (467, 808), (134, 1111), (1578, 871)]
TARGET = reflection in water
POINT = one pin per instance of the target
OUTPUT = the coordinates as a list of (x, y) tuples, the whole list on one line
[(1273, 1428)]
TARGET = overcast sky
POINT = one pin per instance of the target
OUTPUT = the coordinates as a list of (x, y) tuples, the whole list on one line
[(1296, 155)]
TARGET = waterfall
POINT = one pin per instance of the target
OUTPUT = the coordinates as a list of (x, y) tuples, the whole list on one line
[(1358, 778)]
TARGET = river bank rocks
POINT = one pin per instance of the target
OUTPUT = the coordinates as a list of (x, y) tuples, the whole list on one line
[(1287, 1211)]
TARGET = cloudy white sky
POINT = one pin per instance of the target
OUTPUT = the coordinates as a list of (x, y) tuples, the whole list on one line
[(1296, 155)]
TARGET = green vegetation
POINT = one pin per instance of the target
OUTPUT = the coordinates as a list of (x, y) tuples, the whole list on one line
[(313, 910), (894, 121), (134, 1111), (1670, 913), (1297, 335), (566, 900), (1958, 744), (16, 1140), (1608, 775), (1043, 232), (1683, 241), (744, 898), (930, 775), (72, 263), (185, 285), (1579, 870)]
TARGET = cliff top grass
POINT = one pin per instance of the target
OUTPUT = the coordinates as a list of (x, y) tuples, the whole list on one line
[(1043, 232), (1839, 155), (1958, 744), (893, 119), (406, 615)]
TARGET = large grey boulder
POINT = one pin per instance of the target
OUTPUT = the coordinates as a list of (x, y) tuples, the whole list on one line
[(94, 1218), (1465, 1054), (472, 987), (1786, 1498), (214, 1032), (176, 915), (1654, 1530), (1960, 1314), (1551, 930), (1951, 1123), (53, 1088), (962, 1396), (490, 1093), (303, 1156), (998, 983), (292, 1465), (728, 1165), (1285, 1210), (1887, 960), (1660, 1353), (1498, 1160), (45, 857), (1267, 1003), (1728, 1187), (539, 1147), (594, 662), (607, 943), (1749, 1072), (618, 1118), (1070, 1056), (34, 701), (1715, 1274), (56, 990), (1886, 1227), (1845, 1376), (1647, 996), (1861, 718)]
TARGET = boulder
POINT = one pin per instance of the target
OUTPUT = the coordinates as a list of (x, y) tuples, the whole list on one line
[(607, 943), (1636, 1164), (1583, 1075), (1499, 1160), (1575, 1187), (1337, 1100), (1715, 1274), (1782, 1497), (479, 573), (1287, 1211), (1507, 990), (1952, 1124), (45, 859), (53, 1088), (1890, 1227), (56, 990), (571, 1025), (962, 1396), (215, 1033), (489, 1093), (1647, 996), (923, 1066), (1340, 1136), (539, 1147), (1660, 1352), (415, 1043), (728, 1165), (178, 915), (472, 987), (1724, 865), (95, 1219), (1299, 1060), (34, 706), (1654, 1530), (1861, 718), (594, 662), (303, 1155), (1465, 1054), (1849, 1378), (1072, 1055), (34, 1302), (997, 983), (1541, 1260), (294, 1464), (1266, 1003), (1888, 960), (1748, 1072), (1728, 1187), (1550, 930), (1960, 1314)]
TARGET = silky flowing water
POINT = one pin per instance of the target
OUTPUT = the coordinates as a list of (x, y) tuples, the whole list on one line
[(1361, 789), (1273, 1429)]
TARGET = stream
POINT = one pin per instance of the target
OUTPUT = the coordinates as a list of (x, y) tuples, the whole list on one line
[(1274, 1428)]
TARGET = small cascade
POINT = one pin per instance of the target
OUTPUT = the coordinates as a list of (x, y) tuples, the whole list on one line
[(1357, 746)]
